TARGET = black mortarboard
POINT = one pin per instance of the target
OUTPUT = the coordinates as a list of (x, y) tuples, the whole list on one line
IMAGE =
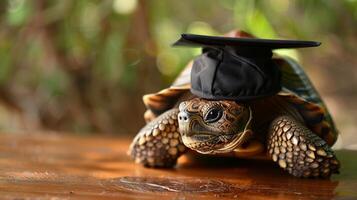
[(236, 68)]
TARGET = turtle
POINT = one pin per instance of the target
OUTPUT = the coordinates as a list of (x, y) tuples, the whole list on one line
[(292, 128)]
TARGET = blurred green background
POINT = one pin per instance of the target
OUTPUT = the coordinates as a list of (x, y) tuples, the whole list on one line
[(82, 66)]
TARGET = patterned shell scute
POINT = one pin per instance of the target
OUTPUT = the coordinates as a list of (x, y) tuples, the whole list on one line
[(298, 90)]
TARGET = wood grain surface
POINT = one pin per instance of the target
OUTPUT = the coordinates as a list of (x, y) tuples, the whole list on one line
[(53, 166)]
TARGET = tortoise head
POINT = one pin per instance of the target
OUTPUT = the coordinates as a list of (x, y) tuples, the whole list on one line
[(210, 127)]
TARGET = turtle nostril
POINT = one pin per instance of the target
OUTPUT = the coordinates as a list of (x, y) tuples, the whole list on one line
[(182, 116)]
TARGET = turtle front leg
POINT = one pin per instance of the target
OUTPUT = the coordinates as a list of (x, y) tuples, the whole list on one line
[(159, 143), (300, 151)]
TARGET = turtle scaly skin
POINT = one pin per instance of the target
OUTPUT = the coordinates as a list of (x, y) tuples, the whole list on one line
[(159, 143), (298, 150)]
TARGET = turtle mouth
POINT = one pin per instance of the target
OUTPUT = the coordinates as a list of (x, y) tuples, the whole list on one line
[(206, 143)]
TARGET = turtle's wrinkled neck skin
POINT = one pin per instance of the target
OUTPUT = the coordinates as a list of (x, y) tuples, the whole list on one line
[(266, 110)]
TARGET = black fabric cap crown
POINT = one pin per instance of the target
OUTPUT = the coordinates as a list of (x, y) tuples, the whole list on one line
[(236, 68)]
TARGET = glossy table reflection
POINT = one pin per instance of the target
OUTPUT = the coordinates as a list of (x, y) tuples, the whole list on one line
[(52, 166)]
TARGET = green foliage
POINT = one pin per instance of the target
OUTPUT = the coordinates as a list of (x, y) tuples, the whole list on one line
[(79, 65), (18, 12)]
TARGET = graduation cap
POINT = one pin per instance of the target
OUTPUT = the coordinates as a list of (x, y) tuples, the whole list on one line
[(236, 68)]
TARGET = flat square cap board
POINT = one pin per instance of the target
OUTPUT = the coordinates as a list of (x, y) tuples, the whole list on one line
[(237, 69)]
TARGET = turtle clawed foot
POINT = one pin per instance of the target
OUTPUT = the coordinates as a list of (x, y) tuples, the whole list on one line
[(156, 158), (316, 160), (299, 151), (153, 153), (158, 144)]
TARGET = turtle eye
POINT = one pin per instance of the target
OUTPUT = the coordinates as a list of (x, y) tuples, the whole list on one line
[(213, 115)]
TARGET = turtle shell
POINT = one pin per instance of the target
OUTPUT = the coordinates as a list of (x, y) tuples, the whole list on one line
[(297, 89), (300, 92)]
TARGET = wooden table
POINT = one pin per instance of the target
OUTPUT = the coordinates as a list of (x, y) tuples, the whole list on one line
[(52, 166)]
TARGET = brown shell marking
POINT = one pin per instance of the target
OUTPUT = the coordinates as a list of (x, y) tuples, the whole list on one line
[(313, 115), (164, 99)]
